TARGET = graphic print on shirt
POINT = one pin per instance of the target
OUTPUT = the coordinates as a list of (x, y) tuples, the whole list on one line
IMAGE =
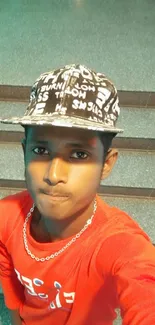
[(56, 297)]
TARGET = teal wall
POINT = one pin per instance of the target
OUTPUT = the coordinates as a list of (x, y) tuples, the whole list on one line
[(116, 37)]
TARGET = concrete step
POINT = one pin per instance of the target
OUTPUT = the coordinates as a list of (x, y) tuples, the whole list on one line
[(140, 209), (133, 169), (136, 122)]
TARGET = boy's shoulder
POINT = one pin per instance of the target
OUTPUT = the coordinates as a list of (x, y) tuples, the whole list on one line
[(114, 221), (14, 201), (11, 207)]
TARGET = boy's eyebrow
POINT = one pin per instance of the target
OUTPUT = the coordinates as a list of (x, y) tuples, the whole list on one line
[(79, 145), (69, 145)]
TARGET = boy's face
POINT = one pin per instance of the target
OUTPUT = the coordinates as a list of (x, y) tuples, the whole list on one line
[(63, 169)]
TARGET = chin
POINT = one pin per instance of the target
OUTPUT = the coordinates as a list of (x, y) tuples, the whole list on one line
[(54, 208)]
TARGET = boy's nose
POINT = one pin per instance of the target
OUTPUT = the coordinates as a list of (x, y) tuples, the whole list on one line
[(56, 171)]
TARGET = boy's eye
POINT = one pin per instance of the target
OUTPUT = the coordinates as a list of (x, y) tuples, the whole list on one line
[(75, 155), (40, 151), (79, 155)]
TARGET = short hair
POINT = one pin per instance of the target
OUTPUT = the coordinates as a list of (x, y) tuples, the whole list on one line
[(106, 139), (25, 130)]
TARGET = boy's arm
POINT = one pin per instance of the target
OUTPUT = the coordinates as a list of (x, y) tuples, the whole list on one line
[(134, 277), (15, 318), (12, 289), (128, 258)]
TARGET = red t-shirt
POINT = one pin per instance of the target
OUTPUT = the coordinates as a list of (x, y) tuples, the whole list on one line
[(112, 265)]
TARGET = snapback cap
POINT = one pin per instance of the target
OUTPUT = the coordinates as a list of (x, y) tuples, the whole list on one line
[(72, 96)]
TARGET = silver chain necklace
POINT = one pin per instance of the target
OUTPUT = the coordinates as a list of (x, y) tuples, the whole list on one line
[(89, 221)]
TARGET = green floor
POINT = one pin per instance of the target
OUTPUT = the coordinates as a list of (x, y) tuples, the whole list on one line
[(4, 315)]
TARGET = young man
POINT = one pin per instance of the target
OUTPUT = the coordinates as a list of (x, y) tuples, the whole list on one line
[(66, 257)]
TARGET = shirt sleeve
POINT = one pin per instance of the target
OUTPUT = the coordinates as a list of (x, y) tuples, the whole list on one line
[(12, 289), (131, 262)]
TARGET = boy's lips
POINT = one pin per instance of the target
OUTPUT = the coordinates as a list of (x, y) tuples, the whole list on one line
[(56, 196)]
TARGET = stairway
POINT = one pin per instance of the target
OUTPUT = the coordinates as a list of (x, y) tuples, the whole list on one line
[(131, 185)]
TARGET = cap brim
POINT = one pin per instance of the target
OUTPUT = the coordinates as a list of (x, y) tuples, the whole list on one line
[(61, 121)]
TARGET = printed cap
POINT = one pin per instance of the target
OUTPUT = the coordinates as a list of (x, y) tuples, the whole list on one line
[(72, 96)]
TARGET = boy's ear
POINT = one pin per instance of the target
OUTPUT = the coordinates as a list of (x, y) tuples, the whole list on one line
[(109, 163)]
